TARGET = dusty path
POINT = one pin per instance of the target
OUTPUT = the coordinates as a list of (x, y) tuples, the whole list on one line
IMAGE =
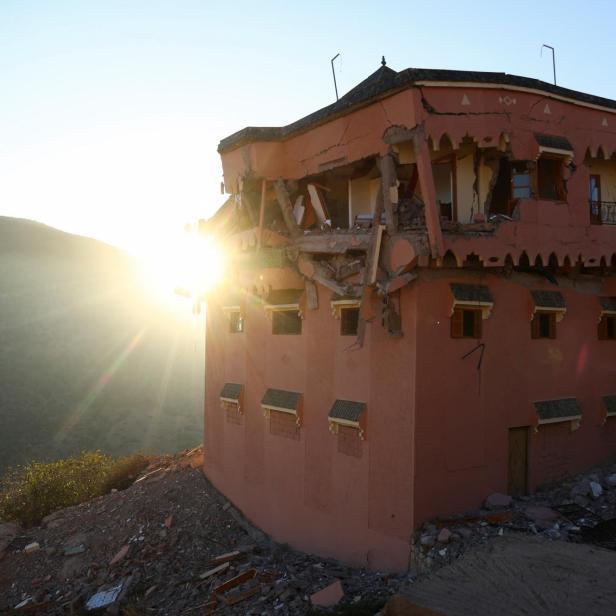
[(523, 576)]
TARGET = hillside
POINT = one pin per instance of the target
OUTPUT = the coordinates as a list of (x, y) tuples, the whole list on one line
[(88, 358)]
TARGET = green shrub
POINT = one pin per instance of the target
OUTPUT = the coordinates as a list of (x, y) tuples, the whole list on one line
[(29, 493)]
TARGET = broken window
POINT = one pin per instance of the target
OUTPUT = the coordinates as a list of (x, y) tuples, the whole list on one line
[(466, 323), (286, 322), (607, 328), (444, 181), (349, 320), (543, 325), (236, 322), (550, 182)]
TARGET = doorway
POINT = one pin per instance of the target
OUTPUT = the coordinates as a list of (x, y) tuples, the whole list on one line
[(517, 482)]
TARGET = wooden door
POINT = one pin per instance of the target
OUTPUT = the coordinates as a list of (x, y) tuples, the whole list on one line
[(518, 461)]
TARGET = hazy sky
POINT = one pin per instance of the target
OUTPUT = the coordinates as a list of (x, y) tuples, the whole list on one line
[(111, 111)]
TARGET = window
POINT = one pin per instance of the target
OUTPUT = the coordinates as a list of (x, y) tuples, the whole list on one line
[(286, 322), (607, 327), (349, 320), (520, 180), (594, 195), (543, 325), (236, 322), (466, 323), (550, 178)]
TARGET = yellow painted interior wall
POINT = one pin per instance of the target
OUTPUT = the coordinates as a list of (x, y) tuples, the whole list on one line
[(362, 196), (607, 170)]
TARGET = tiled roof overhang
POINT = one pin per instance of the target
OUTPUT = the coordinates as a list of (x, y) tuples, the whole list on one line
[(553, 411), (281, 400), (231, 392), (386, 81)]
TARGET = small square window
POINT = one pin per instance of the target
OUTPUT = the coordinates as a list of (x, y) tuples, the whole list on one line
[(236, 323), (607, 327), (543, 325), (466, 323), (286, 322), (349, 320)]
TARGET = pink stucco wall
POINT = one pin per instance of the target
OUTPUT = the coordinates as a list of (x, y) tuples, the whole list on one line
[(463, 415), (305, 492), (437, 427)]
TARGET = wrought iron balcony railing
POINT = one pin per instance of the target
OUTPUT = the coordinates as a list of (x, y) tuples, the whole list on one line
[(603, 212)]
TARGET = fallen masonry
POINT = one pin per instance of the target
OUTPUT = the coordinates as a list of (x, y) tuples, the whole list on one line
[(171, 544)]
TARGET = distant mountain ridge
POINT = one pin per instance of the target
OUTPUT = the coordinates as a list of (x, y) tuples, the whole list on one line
[(89, 360)]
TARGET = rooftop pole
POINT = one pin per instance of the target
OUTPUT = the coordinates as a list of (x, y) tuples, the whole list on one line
[(334, 74), (553, 59)]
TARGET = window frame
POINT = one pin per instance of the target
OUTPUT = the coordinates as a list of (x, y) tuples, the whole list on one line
[(607, 323), (344, 317), (236, 326), (276, 317), (457, 329), (535, 325), (560, 191)]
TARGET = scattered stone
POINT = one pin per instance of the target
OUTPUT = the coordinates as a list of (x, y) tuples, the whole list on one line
[(427, 540), (497, 501), (444, 536), (328, 596), (31, 548), (120, 556), (73, 550), (538, 513), (595, 489), (611, 481)]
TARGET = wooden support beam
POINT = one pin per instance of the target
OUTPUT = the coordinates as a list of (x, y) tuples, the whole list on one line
[(262, 212), (389, 185), (428, 192), (282, 195)]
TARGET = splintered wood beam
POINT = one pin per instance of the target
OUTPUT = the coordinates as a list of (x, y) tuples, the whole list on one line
[(312, 296), (262, 212), (389, 185), (282, 196), (428, 192)]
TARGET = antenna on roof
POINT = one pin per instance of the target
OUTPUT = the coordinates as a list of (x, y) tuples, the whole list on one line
[(334, 74), (553, 59)]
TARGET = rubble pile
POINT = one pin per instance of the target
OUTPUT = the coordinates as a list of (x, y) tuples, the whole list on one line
[(580, 508), (169, 544)]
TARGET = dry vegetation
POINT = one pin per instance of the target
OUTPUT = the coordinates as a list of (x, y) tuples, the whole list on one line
[(29, 493)]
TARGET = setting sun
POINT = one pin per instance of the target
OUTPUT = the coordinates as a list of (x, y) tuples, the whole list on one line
[(186, 264)]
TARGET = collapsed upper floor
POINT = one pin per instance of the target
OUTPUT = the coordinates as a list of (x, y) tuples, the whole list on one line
[(488, 164)]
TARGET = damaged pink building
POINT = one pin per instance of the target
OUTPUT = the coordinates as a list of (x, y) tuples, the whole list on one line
[(421, 308)]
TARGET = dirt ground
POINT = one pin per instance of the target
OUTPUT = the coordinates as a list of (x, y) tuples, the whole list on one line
[(520, 575)]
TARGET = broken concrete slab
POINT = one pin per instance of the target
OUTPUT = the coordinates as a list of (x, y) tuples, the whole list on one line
[(328, 596), (497, 501), (541, 514)]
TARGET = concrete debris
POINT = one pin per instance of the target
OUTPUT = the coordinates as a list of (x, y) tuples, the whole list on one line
[(104, 598), (560, 512), (328, 596), (595, 489), (31, 548), (498, 501), (444, 536), (174, 567)]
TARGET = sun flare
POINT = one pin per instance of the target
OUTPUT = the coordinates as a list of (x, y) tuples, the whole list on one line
[(185, 264)]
